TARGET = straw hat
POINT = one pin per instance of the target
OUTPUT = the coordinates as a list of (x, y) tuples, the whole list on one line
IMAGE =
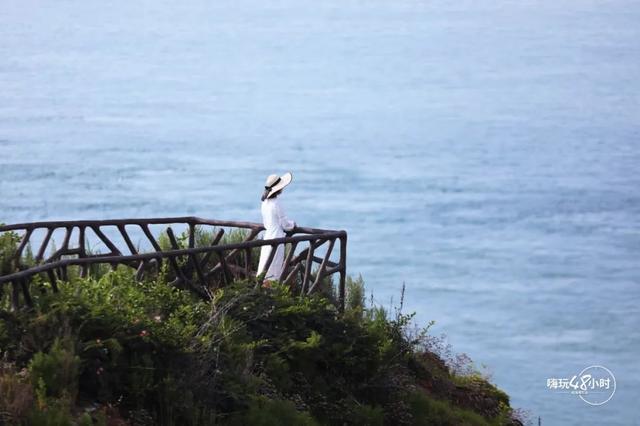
[(275, 183)]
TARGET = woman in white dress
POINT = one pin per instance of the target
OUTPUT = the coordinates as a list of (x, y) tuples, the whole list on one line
[(276, 223)]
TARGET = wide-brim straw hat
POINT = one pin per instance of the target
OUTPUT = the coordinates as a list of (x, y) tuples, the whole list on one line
[(275, 183)]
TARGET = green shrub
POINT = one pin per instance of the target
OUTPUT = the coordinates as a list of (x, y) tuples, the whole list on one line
[(479, 384), (57, 370), (355, 294), (276, 412), (55, 413), (8, 245), (148, 353), (366, 415), (427, 411)]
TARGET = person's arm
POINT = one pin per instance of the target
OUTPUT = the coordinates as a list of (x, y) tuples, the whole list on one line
[(286, 224)]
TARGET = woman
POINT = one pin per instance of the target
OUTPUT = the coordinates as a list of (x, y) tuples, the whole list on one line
[(275, 223)]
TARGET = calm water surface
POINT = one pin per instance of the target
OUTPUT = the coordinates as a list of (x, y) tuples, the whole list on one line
[(485, 153)]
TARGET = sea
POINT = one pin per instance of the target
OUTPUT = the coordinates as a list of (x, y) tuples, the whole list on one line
[(484, 154)]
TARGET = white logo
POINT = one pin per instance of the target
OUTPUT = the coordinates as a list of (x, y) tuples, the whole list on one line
[(595, 385)]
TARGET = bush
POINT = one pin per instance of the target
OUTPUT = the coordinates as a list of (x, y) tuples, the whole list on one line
[(265, 412), (56, 413), (56, 371), (355, 295), (8, 245), (148, 353), (432, 412)]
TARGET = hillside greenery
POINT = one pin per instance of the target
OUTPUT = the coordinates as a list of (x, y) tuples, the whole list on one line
[(111, 350)]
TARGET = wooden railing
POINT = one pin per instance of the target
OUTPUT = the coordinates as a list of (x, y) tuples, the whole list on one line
[(200, 266)]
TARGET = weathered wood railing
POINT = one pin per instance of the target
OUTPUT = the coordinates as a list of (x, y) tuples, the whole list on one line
[(191, 263)]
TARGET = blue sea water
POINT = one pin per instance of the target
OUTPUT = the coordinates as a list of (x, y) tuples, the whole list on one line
[(485, 153)]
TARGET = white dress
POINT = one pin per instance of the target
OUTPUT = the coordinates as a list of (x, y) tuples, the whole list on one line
[(276, 223)]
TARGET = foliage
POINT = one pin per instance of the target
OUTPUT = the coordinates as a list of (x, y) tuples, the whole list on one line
[(355, 295), (113, 350), (272, 412), (432, 412), (56, 371), (8, 245)]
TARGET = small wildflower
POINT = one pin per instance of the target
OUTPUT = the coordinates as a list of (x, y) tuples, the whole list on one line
[(98, 341), (144, 333), (99, 371), (157, 318)]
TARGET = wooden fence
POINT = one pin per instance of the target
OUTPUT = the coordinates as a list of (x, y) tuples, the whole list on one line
[(193, 264)]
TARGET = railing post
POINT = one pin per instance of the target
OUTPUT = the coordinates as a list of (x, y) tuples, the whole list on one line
[(23, 242), (225, 271), (307, 267), (24, 283), (53, 279), (192, 235), (84, 269), (43, 246), (174, 260), (287, 261), (247, 265), (343, 269), (15, 296), (323, 266)]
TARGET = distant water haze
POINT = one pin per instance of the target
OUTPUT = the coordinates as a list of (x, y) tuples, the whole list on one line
[(484, 153)]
